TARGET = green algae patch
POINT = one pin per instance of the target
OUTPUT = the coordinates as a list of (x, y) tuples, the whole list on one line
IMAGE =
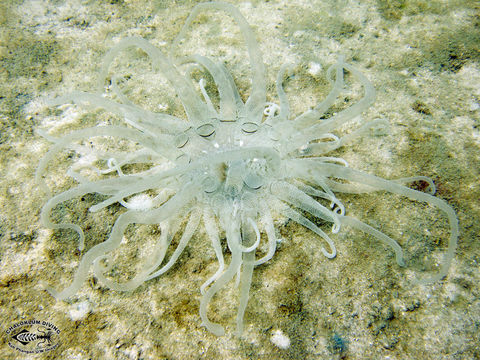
[(26, 55)]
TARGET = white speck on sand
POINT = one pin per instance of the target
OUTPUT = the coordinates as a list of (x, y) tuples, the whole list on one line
[(280, 339)]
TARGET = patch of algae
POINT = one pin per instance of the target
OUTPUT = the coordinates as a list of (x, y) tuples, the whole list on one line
[(24, 57), (449, 50)]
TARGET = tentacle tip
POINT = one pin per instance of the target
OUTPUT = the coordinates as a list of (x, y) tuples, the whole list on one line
[(215, 329), (430, 280), (291, 69), (42, 186), (329, 255), (50, 101), (42, 285), (50, 290), (239, 332), (93, 208), (58, 295)]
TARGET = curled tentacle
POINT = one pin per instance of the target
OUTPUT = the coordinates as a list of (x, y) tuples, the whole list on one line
[(341, 172), (130, 217), (212, 231), (310, 133), (254, 104), (233, 240), (226, 88)]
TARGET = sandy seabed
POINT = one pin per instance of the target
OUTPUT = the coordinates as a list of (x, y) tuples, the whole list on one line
[(422, 58)]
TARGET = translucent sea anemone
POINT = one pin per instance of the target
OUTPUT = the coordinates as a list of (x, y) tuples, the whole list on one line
[(232, 167)]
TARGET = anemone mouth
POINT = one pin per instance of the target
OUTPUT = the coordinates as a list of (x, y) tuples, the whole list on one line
[(232, 167)]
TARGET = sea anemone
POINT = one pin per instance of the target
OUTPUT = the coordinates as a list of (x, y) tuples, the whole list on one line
[(234, 166)]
